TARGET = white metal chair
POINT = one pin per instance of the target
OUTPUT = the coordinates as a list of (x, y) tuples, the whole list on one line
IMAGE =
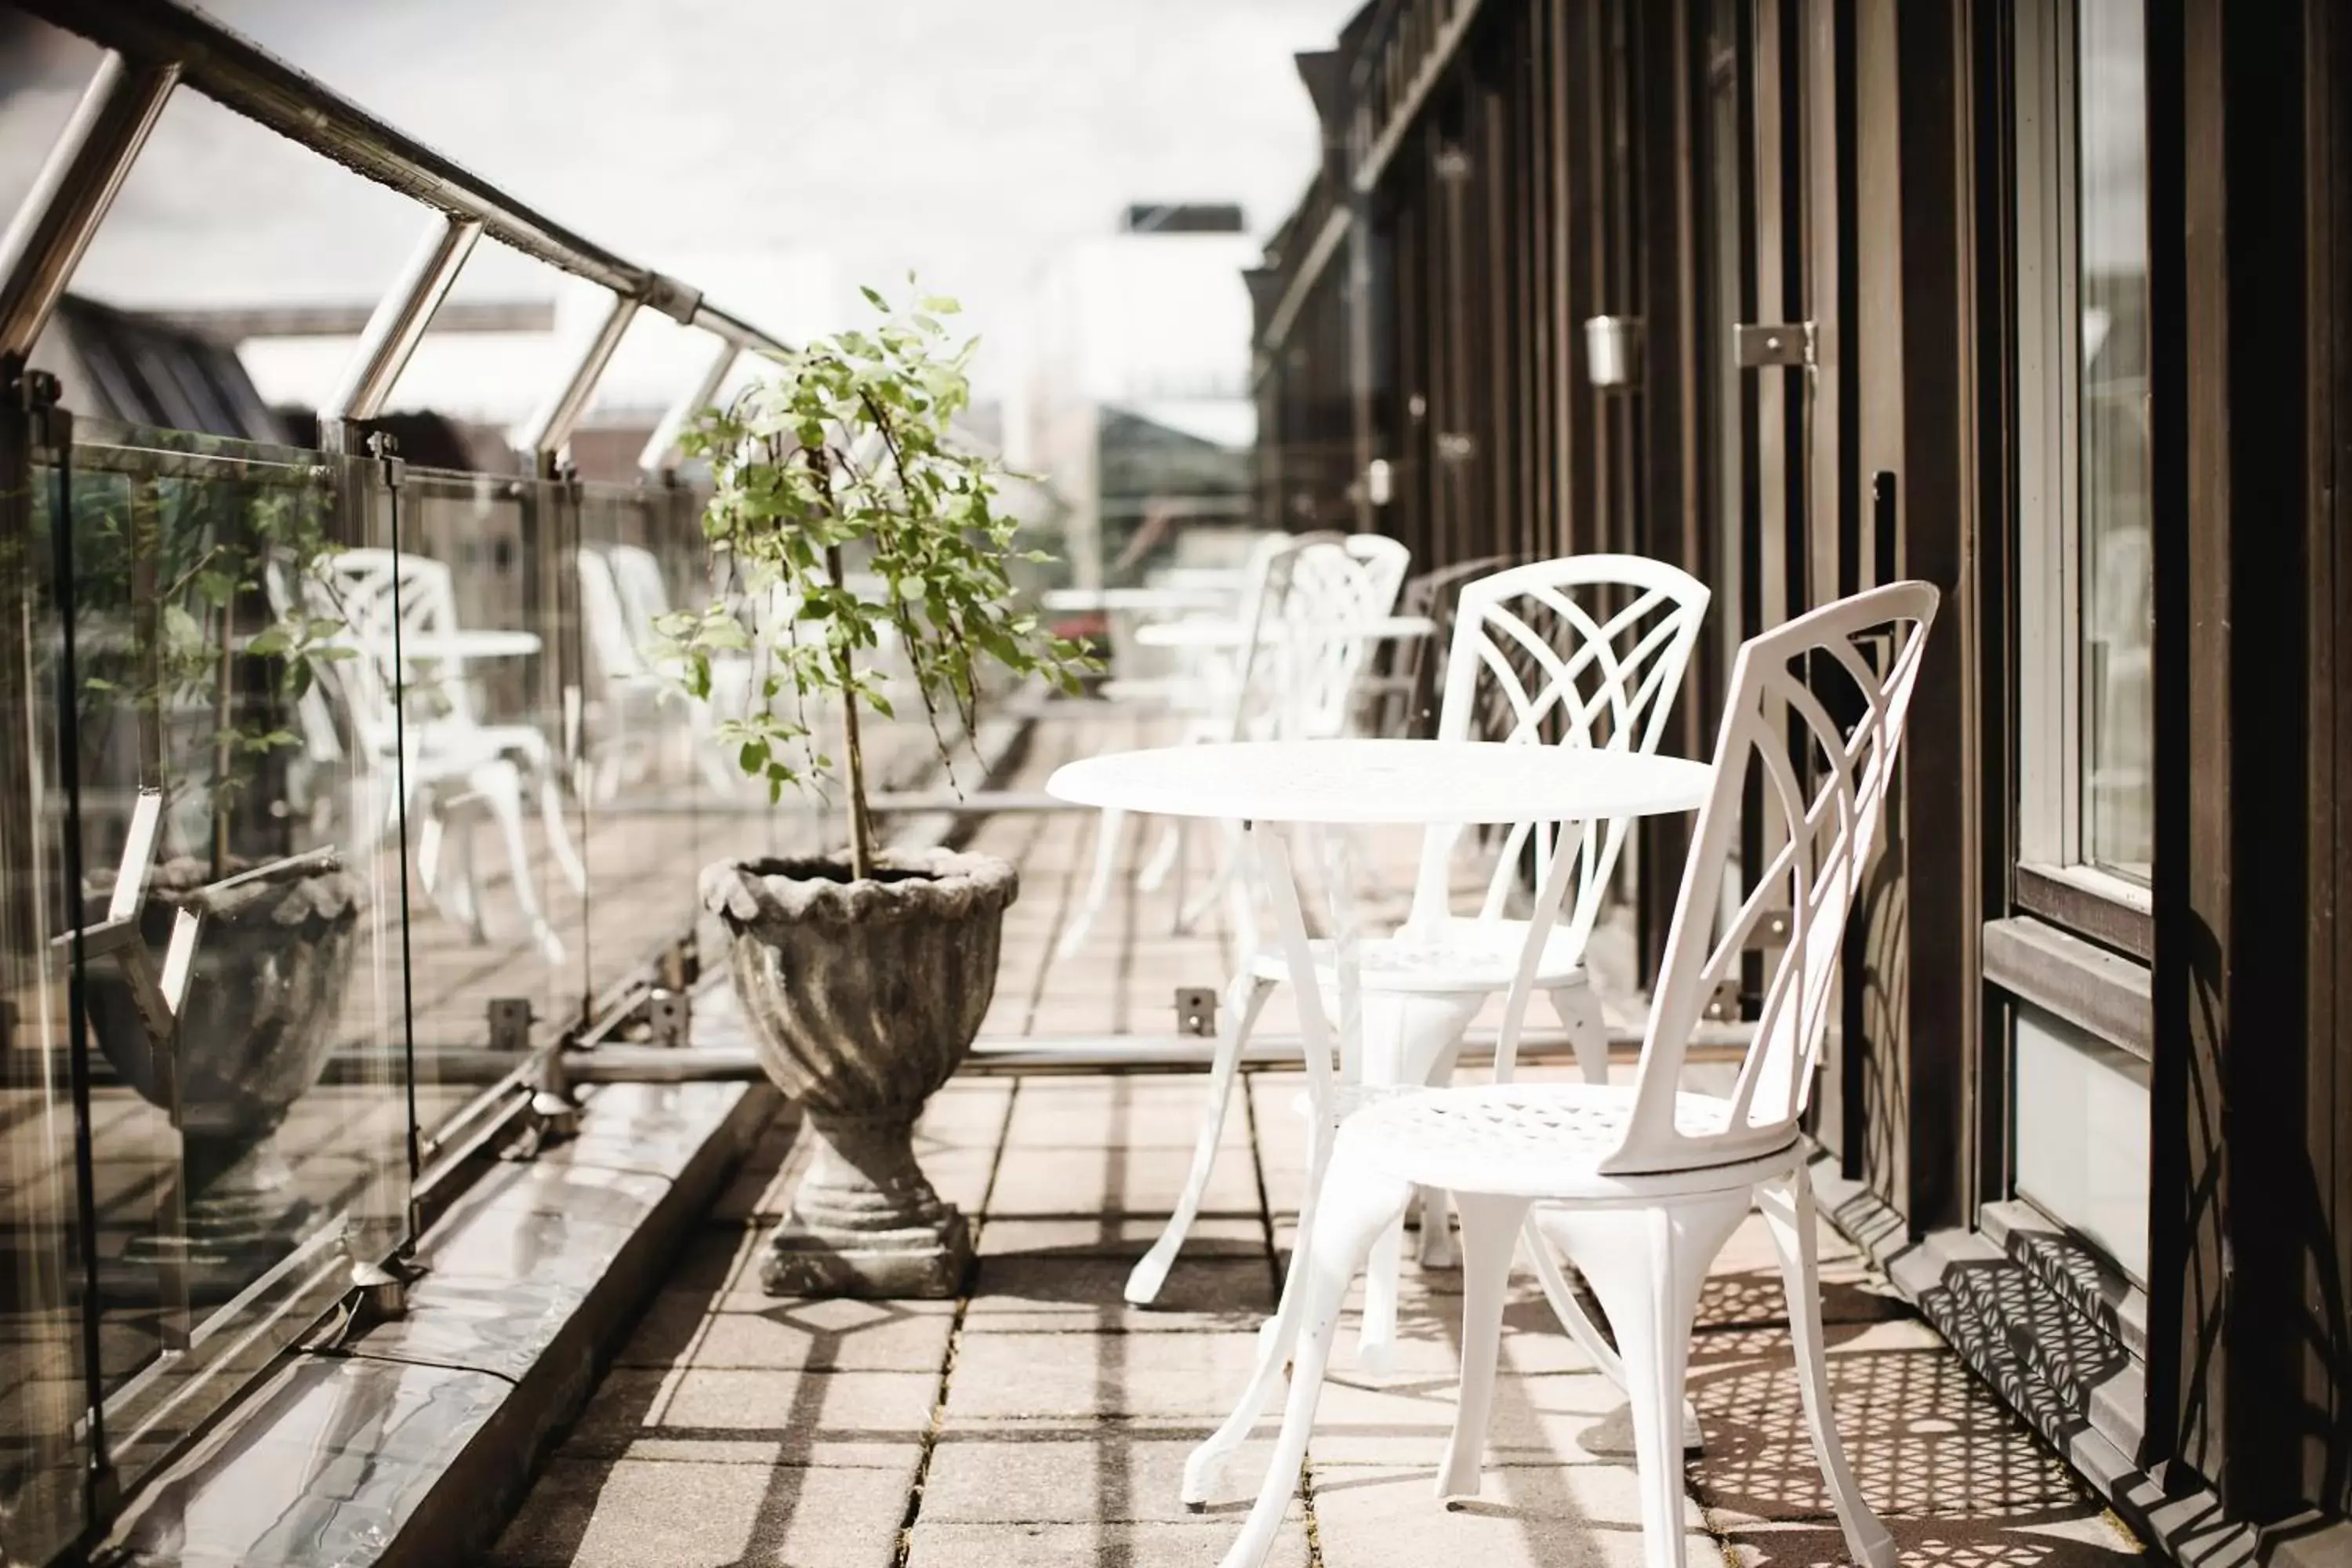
[(447, 758), (618, 744), (622, 600), (1640, 1185), (1588, 650), (1335, 583)]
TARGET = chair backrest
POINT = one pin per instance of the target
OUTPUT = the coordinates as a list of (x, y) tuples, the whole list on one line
[(1409, 699), (1587, 650), (644, 596), (605, 616), (1822, 787), (1261, 698), (320, 741), (1338, 583), (380, 595)]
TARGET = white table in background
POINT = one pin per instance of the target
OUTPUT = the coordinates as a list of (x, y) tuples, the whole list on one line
[(459, 646), (1145, 601), (1231, 634)]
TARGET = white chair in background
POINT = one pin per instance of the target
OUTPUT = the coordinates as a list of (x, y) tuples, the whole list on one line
[(1639, 1185), (622, 600), (1300, 684), (618, 743), (1589, 650), (399, 611)]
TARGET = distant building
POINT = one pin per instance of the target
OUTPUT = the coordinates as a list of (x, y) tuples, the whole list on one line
[(1136, 404)]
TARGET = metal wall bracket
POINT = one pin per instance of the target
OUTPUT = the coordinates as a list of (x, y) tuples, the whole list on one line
[(668, 1018), (382, 1288), (1196, 1010), (1757, 345), (510, 1021)]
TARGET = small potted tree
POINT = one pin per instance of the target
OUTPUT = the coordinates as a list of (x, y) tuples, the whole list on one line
[(866, 974), (203, 683)]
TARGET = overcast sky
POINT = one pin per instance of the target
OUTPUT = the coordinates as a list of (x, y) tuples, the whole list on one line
[(775, 152)]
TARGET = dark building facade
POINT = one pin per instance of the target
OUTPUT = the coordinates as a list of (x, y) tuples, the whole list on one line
[(2043, 301)]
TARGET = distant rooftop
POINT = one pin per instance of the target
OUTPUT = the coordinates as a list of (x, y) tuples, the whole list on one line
[(1183, 217)]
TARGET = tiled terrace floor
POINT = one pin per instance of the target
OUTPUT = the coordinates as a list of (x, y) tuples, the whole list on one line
[(1042, 1420)]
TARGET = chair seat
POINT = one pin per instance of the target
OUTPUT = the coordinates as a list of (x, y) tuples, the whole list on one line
[(1542, 1140), (1467, 956)]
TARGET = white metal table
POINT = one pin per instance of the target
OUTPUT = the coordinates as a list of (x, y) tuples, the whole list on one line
[(1276, 787), (458, 647), (1159, 600), (1231, 634)]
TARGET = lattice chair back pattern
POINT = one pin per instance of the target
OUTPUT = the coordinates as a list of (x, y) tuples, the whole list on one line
[(613, 640), (1410, 674), (382, 596), (1588, 650), (645, 594), (364, 600), (1823, 785), (1261, 701), (1335, 584)]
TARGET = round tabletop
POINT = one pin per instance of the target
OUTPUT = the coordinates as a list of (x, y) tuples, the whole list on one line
[(1167, 601), (1233, 634), (1367, 782), (468, 645)]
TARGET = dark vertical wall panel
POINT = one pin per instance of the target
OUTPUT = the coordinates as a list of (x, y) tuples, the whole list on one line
[(2324, 1380)]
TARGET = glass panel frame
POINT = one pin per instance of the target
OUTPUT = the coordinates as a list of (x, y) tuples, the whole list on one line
[(246, 1147)]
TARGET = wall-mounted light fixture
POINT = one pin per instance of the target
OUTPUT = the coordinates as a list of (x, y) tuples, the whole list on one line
[(1612, 348)]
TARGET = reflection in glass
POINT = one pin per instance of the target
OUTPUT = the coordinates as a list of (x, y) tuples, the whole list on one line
[(2115, 474), (42, 1344), (2081, 1132), (246, 1125)]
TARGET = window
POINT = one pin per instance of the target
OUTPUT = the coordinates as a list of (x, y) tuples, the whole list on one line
[(2084, 752), (2081, 1138)]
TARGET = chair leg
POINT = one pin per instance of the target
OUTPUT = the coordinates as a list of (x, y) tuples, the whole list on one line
[(1406, 1037), (500, 789), (1787, 1205), (1276, 1337), (559, 835), (1578, 1007), (1646, 1264), (1244, 999), (1437, 1249), (1110, 827), (1358, 1208), (1164, 856), (1490, 1236), (1225, 875), (1566, 1306), (430, 833)]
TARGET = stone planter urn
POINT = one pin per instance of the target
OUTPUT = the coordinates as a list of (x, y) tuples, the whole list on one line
[(272, 968), (863, 997)]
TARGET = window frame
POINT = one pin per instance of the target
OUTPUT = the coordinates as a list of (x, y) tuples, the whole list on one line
[(2054, 880)]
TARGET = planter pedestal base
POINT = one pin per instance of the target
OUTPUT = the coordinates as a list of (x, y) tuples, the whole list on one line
[(866, 1222), (918, 1263)]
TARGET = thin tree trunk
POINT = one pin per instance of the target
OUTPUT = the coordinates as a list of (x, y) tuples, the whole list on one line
[(224, 738), (861, 830)]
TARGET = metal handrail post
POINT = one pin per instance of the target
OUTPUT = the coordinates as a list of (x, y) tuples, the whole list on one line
[(398, 325), (660, 454), (69, 199)]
